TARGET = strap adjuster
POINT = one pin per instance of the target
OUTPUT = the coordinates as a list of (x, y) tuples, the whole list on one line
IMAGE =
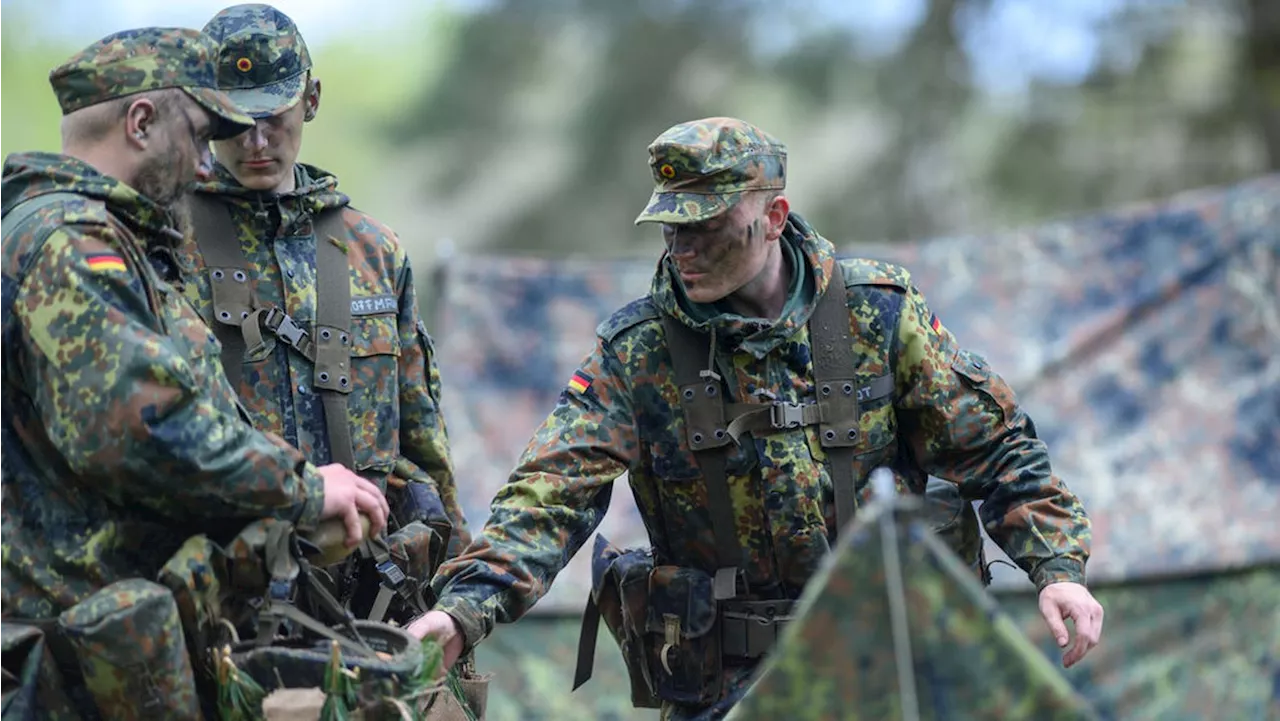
[(279, 589), (391, 574), (785, 414), (287, 329)]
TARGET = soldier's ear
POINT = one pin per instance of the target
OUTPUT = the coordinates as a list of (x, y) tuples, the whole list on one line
[(139, 119), (775, 213), (311, 98)]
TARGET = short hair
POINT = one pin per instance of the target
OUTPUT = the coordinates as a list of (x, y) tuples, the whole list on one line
[(92, 124)]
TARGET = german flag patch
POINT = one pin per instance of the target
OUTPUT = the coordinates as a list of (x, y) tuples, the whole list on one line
[(104, 262), (580, 382), (934, 323)]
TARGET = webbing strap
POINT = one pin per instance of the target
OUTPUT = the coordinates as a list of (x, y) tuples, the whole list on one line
[(392, 580), (239, 319), (333, 332), (227, 267), (831, 346), (703, 406)]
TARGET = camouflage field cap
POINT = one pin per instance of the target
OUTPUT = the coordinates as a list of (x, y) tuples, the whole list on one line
[(262, 59), (143, 59), (701, 169)]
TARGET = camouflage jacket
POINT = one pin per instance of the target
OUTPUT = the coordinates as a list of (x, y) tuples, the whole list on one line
[(122, 437), (395, 405), (949, 415)]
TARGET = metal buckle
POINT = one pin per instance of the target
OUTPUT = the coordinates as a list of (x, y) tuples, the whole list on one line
[(291, 332), (785, 414)]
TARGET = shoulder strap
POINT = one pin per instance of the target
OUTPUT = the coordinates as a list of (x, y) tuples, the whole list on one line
[(226, 265), (831, 345), (704, 419), (333, 332), (22, 212), (239, 319)]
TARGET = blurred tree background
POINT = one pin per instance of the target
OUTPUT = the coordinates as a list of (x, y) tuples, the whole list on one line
[(509, 126)]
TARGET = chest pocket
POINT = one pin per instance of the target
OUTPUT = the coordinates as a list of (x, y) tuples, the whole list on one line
[(374, 402)]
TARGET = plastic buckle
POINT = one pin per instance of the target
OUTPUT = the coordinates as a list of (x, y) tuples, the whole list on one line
[(390, 574), (785, 414), (291, 332), (279, 589)]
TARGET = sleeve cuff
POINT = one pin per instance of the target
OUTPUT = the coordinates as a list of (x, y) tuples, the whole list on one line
[(311, 484), (469, 617), (1062, 569)]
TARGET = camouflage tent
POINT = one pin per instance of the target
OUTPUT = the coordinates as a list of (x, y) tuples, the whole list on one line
[(896, 627), (1145, 343)]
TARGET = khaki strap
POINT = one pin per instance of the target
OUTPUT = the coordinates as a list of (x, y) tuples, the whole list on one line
[(392, 580), (704, 411), (831, 345), (333, 332), (227, 268), (239, 319), (765, 418), (587, 642)]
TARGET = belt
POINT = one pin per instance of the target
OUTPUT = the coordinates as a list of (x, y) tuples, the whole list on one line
[(750, 629)]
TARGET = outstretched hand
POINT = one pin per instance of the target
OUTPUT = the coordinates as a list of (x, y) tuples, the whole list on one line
[(1065, 600)]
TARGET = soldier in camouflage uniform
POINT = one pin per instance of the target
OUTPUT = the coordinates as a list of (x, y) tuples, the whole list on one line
[(259, 226), (744, 469), (122, 437)]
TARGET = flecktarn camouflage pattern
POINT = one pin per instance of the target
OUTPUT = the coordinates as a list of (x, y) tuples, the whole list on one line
[(135, 61), (1142, 339), (262, 58), (398, 432), (895, 627), (701, 169)]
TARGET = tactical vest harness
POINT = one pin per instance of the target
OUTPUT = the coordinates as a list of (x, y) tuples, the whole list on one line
[(749, 628), (240, 319)]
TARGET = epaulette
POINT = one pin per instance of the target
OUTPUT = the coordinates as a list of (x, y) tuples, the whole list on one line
[(85, 211), (868, 271), (631, 314)]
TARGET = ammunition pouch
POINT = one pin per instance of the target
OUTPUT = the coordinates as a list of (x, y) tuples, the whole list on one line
[(129, 645), (619, 595), (750, 629), (682, 645)]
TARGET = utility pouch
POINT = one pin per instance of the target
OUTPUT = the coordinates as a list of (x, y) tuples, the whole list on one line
[(191, 575), (33, 684), (682, 639), (129, 642), (955, 521), (419, 500), (619, 595)]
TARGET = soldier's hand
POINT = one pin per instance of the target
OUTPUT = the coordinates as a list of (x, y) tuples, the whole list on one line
[(440, 626), (346, 496), (1060, 601)]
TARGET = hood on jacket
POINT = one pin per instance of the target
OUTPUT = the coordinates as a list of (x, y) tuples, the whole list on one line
[(812, 259), (29, 175), (315, 190)]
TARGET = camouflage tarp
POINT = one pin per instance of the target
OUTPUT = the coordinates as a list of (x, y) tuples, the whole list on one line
[(895, 626), (1145, 343)]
